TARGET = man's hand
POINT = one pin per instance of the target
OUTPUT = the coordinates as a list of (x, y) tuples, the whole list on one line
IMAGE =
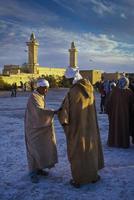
[(56, 111)]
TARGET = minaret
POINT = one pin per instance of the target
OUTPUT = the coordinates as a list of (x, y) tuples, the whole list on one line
[(32, 54), (73, 55)]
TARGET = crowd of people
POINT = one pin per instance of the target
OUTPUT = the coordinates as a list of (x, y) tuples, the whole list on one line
[(117, 100), (78, 117)]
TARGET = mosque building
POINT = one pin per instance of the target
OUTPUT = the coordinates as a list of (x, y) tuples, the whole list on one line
[(32, 70)]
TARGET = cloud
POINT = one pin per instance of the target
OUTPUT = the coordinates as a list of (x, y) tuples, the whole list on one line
[(3, 25), (54, 45), (80, 6), (64, 5), (123, 16), (25, 11), (102, 8)]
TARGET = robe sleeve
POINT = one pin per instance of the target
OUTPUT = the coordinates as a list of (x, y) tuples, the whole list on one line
[(44, 117), (63, 113)]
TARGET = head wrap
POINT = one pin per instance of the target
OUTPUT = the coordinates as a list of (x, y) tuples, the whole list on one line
[(123, 74), (70, 72), (123, 83), (77, 77), (73, 73), (42, 83), (113, 84)]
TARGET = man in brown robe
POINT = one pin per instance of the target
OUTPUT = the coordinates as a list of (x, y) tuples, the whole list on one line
[(39, 133), (77, 115), (119, 108)]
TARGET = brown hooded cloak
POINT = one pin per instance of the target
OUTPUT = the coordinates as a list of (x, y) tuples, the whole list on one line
[(78, 118)]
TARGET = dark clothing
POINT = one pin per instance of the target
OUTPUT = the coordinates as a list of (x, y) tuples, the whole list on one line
[(14, 90), (102, 104), (103, 97), (119, 109)]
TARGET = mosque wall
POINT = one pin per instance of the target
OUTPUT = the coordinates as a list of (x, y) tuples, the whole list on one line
[(111, 76), (51, 71), (27, 77), (92, 75)]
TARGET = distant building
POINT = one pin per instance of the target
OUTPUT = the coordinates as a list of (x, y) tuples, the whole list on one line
[(33, 54), (92, 75), (111, 76), (73, 55), (32, 69), (11, 69)]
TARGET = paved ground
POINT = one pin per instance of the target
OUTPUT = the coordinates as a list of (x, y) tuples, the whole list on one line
[(117, 178)]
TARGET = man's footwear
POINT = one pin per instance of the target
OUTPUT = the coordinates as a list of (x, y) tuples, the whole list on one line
[(74, 184), (42, 172), (34, 178), (98, 178)]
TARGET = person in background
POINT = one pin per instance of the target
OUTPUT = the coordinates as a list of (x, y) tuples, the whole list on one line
[(39, 133), (103, 96), (14, 90), (25, 86), (131, 86), (21, 86), (77, 115), (112, 86), (119, 109), (32, 85)]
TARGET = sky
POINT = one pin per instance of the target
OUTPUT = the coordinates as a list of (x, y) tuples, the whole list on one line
[(103, 32)]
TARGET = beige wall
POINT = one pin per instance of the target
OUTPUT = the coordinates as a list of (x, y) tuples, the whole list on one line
[(130, 76), (92, 75), (111, 76), (11, 69), (15, 79), (51, 71), (26, 77)]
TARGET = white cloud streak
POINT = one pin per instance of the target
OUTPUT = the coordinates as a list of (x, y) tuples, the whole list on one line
[(22, 10), (64, 5), (102, 8)]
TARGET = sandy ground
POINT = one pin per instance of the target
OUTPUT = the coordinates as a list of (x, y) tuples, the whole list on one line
[(117, 178)]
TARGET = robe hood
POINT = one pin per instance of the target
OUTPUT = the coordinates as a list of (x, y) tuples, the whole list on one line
[(85, 87)]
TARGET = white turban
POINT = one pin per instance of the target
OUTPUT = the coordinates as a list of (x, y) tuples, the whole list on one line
[(42, 83), (123, 75), (77, 77), (123, 83), (73, 73), (70, 72), (112, 85)]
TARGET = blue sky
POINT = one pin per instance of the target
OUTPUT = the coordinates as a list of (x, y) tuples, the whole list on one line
[(103, 32)]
